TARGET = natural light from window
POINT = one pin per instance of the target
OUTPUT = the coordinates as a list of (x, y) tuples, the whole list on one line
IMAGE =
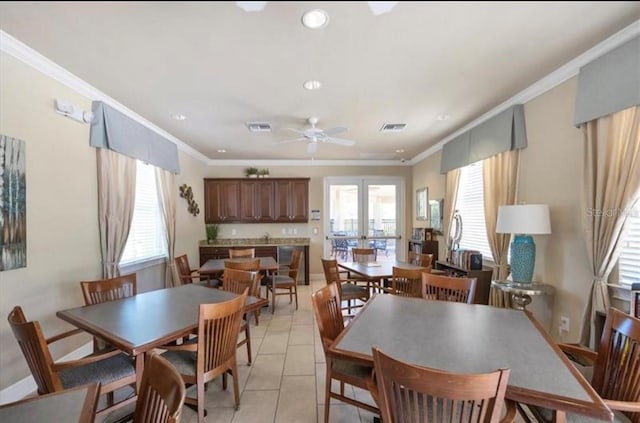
[(146, 239), (629, 262), (470, 204)]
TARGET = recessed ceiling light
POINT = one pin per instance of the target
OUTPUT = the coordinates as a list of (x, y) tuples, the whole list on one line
[(312, 84), (222, 150), (315, 19), (442, 117), (179, 117), (400, 151)]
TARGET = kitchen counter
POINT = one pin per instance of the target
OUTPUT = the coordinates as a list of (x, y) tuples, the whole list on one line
[(251, 242)]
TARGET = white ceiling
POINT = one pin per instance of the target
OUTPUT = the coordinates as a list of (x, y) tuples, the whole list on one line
[(222, 67)]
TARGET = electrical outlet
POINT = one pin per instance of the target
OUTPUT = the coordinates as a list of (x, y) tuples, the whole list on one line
[(564, 324)]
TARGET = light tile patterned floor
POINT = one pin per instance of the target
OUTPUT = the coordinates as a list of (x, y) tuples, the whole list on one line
[(285, 384)]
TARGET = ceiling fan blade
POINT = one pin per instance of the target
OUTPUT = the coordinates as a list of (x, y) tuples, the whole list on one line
[(334, 131), (295, 130), (312, 147), (340, 141), (292, 140)]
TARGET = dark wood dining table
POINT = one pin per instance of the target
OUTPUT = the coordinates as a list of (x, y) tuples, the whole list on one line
[(149, 320), (70, 405), (473, 338), (377, 272)]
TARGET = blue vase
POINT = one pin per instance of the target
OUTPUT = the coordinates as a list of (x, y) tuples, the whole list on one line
[(523, 257)]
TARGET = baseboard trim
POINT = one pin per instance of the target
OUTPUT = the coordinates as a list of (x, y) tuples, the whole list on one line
[(27, 386)]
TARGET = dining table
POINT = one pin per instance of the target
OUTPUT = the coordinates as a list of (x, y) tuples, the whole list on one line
[(472, 338), (70, 405), (377, 272), (138, 324)]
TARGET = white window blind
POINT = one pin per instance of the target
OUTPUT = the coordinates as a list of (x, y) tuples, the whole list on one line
[(146, 239), (629, 262), (470, 204)]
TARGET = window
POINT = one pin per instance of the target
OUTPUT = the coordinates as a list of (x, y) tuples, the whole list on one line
[(629, 262), (470, 204), (146, 237)]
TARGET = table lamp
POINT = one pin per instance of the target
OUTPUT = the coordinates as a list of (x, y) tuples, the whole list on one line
[(523, 220)]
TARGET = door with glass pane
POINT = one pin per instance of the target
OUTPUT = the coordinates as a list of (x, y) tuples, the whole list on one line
[(363, 213)]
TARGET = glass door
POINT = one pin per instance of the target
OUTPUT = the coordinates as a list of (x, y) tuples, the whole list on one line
[(363, 213)]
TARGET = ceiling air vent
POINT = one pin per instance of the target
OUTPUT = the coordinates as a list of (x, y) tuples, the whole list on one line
[(393, 127), (259, 126)]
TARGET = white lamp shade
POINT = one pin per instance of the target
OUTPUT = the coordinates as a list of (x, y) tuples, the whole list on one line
[(529, 219)]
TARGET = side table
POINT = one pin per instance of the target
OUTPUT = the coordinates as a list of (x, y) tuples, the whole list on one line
[(521, 292)]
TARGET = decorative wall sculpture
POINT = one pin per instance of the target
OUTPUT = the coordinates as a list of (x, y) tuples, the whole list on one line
[(13, 204), (187, 194)]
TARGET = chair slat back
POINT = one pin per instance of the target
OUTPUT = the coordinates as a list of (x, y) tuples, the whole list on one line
[(35, 350), (237, 281), (332, 273), (409, 393), (446, 288), (218, 328), (184, 270), (406, 282), (161, 392), (103, 290), (326, 308), (242, 252), (364, 255), (248, 265), (296, 258), (616, 374), (420, 259)]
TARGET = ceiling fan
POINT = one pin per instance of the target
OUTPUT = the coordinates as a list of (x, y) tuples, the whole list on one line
[(314, 135)]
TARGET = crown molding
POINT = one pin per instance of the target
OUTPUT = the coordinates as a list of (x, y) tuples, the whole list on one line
[(545, 84), (307, 163), (29, 56)]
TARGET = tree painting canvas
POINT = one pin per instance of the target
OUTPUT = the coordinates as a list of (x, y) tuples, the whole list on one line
[(13, 204)]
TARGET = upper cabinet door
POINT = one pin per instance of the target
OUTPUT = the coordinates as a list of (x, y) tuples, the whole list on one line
[(292, 200), (256, 201), (222, 201), (265, 201)]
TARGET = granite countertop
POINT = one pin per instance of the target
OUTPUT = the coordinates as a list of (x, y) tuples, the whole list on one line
[(251, 242)]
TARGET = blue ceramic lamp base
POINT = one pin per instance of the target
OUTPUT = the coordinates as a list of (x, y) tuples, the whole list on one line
[(523, 258)]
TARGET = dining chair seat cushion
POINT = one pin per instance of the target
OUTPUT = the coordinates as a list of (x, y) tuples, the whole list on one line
[(349, 368), (184, 361), (105, 371), (283, 280), (547, 416), (349, 289)]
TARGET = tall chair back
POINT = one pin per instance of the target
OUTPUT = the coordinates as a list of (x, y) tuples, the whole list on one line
[(408, 393), (406, 282), (103, 290), (161, 392), (420, 259), (242, 252), (446, 288), (364, 255), (238, 281), (248, 265), (328, 313)]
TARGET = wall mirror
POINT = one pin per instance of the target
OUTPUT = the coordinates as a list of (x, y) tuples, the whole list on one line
[(435, 213), (422, 200)]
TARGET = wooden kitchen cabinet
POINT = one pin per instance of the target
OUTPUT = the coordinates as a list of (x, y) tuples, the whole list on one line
[(221, 201), (256, 200), (292, 200)]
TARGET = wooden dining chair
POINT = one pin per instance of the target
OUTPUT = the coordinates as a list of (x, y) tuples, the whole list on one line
[(237, 281), (409, 393), (161, 392), (447, 288), (348, 288), (285, 280), (613, 370), (214, 352), (421, 259), (242, 252), (189, 275), (406, 282), (248, 265), (364, 255), (103, 290), (326, 304), (113, 369)]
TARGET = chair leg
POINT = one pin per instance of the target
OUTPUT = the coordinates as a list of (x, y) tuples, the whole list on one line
[(200, 402), (256, 316), (224, 381), (290, 295), (295, 292), (327, 393), (248, 337), (236, 389)]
